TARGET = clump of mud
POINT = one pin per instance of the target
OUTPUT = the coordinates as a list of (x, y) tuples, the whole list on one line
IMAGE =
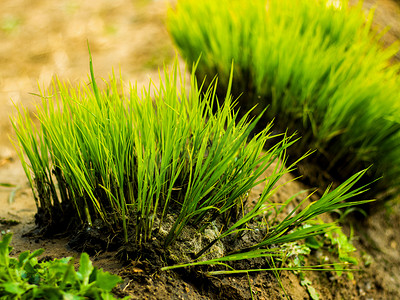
[(190, 245)]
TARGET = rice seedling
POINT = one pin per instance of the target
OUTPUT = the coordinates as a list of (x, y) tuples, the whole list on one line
[(131, 160), (317, 65), (147, 166)]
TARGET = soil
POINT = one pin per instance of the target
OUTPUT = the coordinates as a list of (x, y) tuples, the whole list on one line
[(43, 38)]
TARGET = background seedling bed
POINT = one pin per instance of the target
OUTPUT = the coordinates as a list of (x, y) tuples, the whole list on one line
[(258, 78)]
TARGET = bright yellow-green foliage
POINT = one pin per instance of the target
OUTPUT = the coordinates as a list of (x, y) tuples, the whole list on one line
[(131, 159), (137, 161), (319, 66)]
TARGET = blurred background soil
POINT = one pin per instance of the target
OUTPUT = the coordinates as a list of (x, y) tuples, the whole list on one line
[(44, 38)]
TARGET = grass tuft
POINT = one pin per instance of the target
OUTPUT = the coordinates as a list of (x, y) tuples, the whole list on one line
[(131, 160), (156, 162)]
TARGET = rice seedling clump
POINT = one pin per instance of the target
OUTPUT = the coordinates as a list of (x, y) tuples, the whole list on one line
[(318, 66), (130, 160), (158, 166)]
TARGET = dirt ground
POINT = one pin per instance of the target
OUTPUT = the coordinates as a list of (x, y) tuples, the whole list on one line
[(43, 38)]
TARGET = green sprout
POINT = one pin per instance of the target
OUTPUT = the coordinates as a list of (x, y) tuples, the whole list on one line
[(319, 67)]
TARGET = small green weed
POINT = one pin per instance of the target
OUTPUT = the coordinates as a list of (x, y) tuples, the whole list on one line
[(335, 242), (26, 278), (339, 245), (314, 295)]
